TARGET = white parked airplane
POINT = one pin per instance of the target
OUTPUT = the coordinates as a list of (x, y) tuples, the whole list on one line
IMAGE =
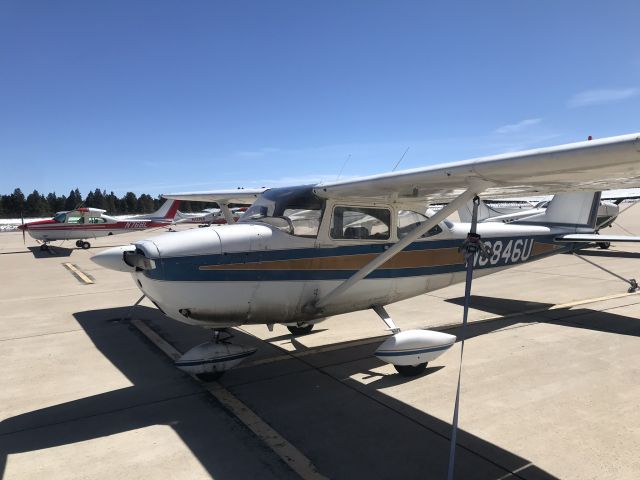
[(208, 216), (300, 254)]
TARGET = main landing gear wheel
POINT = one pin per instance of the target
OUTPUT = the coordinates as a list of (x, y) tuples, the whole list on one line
[(209, 376), (300, 329), (411, 370), (604, 245), (85, 245), (79, 243), (44, 247)]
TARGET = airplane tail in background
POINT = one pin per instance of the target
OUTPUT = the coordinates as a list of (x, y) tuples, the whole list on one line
[(466, 212), (167, 210), (575, 209)]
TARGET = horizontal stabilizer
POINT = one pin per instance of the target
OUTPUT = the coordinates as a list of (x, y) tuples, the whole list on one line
[(593, 238)]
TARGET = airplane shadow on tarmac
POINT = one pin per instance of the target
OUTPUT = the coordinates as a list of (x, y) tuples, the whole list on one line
[(51, 252), (571, 317), (346, 428)]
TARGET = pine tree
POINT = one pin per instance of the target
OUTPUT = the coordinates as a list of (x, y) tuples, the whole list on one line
[(72, 201), (36, 204), (131, 202), (17, 202), (98, 199), (111, 204)]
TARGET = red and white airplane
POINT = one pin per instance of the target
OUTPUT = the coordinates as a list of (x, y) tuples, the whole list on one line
[(83, 223)]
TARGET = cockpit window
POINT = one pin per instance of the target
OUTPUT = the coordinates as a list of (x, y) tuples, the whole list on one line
[(296, 211), (409, 220)]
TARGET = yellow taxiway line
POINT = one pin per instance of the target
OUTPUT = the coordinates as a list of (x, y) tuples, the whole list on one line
[(78, 273)]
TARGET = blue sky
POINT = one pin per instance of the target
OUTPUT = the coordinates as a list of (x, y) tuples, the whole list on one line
[(161, 96)]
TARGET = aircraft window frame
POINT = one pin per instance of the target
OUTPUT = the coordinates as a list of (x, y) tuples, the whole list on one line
[(60, 218), (358, 232), (402, 232)]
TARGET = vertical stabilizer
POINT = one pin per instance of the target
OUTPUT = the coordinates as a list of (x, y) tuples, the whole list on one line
[(575, 209), (167, 210)]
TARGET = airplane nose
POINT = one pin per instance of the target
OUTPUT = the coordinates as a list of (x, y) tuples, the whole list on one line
[(22, 227), (113, 258)]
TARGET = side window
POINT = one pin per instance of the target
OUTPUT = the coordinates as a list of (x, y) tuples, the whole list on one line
[(409, 220), (96, 220), (360, 223)]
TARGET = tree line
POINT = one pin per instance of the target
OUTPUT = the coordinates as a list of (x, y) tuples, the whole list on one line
[(39, 205)]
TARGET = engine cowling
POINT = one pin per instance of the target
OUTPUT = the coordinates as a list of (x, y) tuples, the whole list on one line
[(414, 347)]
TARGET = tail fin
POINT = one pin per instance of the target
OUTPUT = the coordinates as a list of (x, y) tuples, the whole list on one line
[(167, 210), (575, 209)]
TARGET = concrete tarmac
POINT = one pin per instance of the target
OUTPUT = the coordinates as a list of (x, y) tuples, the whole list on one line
[(550, 383)]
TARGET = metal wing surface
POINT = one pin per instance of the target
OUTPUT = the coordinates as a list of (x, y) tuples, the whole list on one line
[(591, 166), (240, 195)]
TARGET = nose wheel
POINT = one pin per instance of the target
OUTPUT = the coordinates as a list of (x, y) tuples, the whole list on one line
[(300, 328), (83, 244)]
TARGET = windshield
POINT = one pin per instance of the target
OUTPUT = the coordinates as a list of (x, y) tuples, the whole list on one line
[(296, 210), (60, 218)]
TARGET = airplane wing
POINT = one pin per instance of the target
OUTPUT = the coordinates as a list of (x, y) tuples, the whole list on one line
[(589, 166), (239, 195)]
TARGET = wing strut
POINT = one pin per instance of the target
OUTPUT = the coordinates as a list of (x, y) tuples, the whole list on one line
[(228, 216), (454, 205)]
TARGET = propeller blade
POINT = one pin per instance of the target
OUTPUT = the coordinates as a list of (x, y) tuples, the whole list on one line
[(24, 240)]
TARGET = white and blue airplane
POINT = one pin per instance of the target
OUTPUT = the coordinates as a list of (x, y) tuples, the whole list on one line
[(303, 253)]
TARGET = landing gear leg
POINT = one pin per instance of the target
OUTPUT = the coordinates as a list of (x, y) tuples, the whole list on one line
[(213, 376)]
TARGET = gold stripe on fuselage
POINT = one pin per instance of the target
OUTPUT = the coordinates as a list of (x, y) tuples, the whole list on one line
[(542, 248), (436, 257), (410, 259)]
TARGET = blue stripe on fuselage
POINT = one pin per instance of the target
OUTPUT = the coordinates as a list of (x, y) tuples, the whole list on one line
[(188, 268)]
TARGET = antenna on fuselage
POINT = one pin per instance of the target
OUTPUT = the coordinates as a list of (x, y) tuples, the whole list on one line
[(343, 165), (401, 158)]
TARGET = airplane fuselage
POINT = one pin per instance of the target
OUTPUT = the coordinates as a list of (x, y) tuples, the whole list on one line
[(254, 273)]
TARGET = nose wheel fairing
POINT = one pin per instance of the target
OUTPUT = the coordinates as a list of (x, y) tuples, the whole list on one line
[(209, 360)]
